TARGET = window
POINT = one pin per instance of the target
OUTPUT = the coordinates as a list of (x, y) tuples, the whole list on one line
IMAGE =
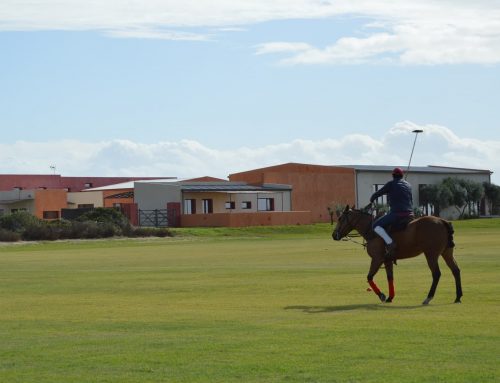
[(208, 206), (265, 204), (189, 206), (50, 215), (230, 205), (382, 200), (246, 205), (85, 206), (88, 185)]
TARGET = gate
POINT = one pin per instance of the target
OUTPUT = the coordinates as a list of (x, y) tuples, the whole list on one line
[(156, 218)]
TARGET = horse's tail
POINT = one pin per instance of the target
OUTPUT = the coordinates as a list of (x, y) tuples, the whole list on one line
[(449, 228)]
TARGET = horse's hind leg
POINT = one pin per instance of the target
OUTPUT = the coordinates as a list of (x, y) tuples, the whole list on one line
[(452, 264), (390, 280), (432, 261)]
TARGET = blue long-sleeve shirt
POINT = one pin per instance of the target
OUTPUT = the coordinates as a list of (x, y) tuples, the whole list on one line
[(399, 195)]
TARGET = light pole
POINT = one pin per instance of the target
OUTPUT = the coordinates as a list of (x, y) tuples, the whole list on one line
[(416, 131)]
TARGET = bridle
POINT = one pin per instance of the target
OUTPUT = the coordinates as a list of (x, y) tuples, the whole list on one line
[(354, 223)]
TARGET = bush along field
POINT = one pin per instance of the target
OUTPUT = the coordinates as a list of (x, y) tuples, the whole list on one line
[(98, 223), (263, 304)]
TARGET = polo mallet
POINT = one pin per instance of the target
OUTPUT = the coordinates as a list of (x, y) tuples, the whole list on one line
[(416, 131)]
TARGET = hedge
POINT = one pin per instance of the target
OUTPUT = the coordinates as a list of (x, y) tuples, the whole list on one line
[(99, 223)]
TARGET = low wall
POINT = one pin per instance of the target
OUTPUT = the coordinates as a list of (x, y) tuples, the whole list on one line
[(247, 219)]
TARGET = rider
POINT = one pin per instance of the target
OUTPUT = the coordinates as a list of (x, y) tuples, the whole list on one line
[(400, 201)]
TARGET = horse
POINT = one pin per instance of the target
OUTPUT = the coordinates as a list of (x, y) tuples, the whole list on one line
[(430, 235)]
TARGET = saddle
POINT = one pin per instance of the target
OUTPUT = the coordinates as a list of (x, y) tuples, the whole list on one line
[(401, 225)]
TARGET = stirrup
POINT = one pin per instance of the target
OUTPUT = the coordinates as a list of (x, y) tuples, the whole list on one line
[(390, 253)]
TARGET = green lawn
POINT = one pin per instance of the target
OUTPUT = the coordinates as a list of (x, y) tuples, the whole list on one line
[(244, 305)]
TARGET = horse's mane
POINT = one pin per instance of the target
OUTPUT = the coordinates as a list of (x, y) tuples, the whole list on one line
[(362, 211)]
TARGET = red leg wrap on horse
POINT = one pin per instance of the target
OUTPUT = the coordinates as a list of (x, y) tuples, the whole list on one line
[(391, 288), (374, 287)]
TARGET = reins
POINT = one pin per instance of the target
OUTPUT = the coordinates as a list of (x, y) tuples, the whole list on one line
[(349, 238)]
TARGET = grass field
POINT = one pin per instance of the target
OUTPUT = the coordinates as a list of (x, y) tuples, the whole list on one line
[(244, 305)]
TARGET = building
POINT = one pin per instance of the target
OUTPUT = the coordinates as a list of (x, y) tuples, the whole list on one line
[(43, 203), (47, 196), (316, 187), (56, 181), (285, 194), (368, 179), (198, 202)]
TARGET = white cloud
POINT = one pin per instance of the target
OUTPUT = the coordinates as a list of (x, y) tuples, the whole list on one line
[(437, 145), (416, 33), (405, 31), (145, 33), (262, 49)]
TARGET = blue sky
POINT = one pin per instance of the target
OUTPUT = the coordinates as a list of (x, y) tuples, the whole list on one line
[(188, 88)]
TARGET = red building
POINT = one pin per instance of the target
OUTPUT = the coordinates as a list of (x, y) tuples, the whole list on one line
[(56, 181)]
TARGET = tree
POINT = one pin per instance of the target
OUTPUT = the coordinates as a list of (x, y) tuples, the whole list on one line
[(492, 193), (459, 193), (335, 209), (429, 197), (474, 193)]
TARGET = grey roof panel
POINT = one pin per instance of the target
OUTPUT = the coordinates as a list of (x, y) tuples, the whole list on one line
[(418, 169), (233, 188)]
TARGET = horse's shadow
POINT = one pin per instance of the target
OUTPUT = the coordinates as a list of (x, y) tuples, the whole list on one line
[(343, 308)]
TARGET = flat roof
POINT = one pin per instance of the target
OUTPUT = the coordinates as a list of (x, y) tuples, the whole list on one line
[(130, 184), (419, 169), (235, 188)]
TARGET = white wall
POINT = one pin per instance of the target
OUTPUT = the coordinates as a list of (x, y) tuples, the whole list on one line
[(366, 179), (85, 198), (151, 196), (25, 201)]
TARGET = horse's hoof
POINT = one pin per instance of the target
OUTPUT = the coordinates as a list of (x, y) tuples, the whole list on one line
[(382, 297), (458, 300), (388, 300)]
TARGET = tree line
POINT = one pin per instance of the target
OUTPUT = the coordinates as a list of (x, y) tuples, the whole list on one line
[(464, 195)]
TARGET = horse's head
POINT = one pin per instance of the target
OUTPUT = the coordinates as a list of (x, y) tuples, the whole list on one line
[(351, 219), (344, 224)]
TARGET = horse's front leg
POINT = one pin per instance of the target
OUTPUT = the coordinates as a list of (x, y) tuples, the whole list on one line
[(390, 280), (374, 267)]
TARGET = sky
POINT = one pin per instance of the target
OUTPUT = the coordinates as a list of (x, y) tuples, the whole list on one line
[(190, 88)]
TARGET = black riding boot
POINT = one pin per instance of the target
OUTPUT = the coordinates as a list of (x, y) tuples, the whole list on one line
[(390, 254)]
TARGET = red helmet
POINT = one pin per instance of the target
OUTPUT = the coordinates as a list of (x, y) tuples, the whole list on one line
[(397, 172)]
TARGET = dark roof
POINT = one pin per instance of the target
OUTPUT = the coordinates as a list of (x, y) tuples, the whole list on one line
[(228, 187), (419, 169), (128, 194)]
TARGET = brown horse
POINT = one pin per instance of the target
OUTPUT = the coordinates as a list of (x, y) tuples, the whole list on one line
[(429, 235)]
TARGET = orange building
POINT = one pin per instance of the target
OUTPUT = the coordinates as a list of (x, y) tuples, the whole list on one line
[(314, 187)]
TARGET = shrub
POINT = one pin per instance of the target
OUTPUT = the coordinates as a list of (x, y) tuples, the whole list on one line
[(105, 215), (101, 223), (39, 232), (150, 232), (9, 236), (18, 221)]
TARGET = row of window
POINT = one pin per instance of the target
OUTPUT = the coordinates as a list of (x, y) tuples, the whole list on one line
[(46, 214), (263, 204)]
